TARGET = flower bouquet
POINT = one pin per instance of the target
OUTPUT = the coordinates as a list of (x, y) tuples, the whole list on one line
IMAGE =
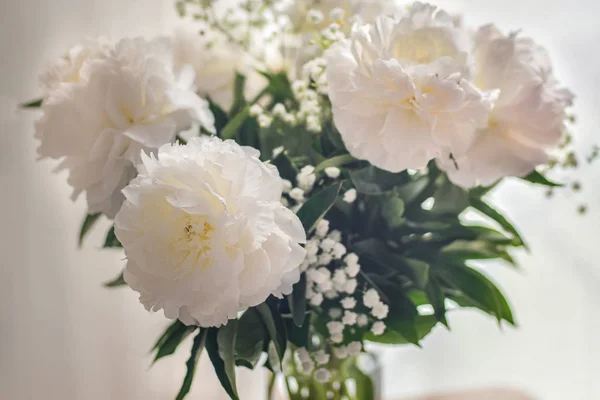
[(292, 179)]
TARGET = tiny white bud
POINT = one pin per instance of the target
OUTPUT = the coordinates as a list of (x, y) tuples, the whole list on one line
[(322, 228), (337, 14), (255, 110), (340, 352), (380, 310), (264, 121), (307, 170), (321, 357), (337, 338), (277, 151), (371, 298), (303, 354), (325, 258), (327, 244), (287, 185), (317, 299), (378, 328), (362, 320), (322, 375), (348, 303), (352, 270), (332, 172), (350, 196), (315, 16), (297, 194), (335, 327), (349, 318), (308, 366), (335, 313), (354, 348), (350, 286), (335, 235), (279, 110), (338, 250)]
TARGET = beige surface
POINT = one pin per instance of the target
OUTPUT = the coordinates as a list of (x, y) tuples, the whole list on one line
[(490, 394)]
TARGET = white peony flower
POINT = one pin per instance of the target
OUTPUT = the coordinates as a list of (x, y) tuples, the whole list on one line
[(129, 101), (205, 234), (400, 91), (68, 68), (215, 62), (527, 118)]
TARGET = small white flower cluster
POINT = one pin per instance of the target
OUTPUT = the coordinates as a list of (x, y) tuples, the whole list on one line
[(321, 250), (310, 110), (316, 362), (305, 180), (308, 113), (314, 71)]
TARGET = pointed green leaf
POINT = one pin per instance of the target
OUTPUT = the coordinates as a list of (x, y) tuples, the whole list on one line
[(275, 326), (171, 339), (392, 210), (118, 281), (230, 130), (220, 115), (32, 104), (191, 363), (317, 206), (297, 301), (286, 167), (336, 161), (475, 290), (226, 339), (373, 181), (539, 179), (396, 331), (488, 211), (88, 223), (212, 348), (238, 94), (438, 300), (250, 344), (111, 239)]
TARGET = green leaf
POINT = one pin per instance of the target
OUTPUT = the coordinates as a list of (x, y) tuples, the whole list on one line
[(221, 117), (299, 336), (449, 198), (286, 167), (230, 130), (32, 104), (539, 179), (297, 301), (88, 223), (118, 281), (437, 299), (375, 182), (392, 210), (111, 239), (212, 348), (191, 363), (413, 190), (238, 94), (226, 340), (275, 326), (475, 250), (378, 252), (396, 331), (317, 206), (173, 336), (251, 339), (336, 161), (488, 211), (475, 290)]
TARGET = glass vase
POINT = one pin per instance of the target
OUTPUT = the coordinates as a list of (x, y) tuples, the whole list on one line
[(353, 378)]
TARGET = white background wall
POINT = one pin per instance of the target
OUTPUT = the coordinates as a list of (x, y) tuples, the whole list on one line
[(64, 337)]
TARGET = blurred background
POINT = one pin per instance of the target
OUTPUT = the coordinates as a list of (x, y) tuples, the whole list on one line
[(63, 336)]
